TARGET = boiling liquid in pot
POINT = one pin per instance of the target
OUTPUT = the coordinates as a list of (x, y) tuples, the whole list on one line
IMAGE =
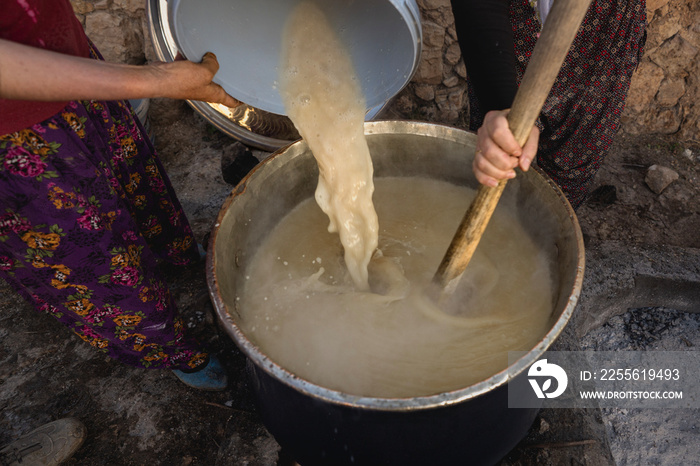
[(307, 303), (301, 308)]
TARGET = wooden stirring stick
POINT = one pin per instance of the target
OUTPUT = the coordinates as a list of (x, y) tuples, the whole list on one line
[(557, 35)]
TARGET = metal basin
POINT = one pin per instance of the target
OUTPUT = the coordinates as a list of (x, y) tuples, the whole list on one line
[(385, 38), (317, 426)]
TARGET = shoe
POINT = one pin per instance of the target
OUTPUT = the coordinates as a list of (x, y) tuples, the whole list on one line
[(201, 251), (236, 161), (49, 445), (211, 377)]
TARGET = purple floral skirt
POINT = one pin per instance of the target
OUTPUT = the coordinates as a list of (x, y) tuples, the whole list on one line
[(86, 213)]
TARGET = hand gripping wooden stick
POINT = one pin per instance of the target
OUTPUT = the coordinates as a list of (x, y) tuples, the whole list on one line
[(558, 33)]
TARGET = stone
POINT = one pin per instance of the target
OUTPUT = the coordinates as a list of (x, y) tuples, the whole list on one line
[(453, 54), (82, 7), (665, 88), (690, 131), (148, 47), (439, 16), (433, 4), (449, 104), (692, 35), (653, 5), (450, 81), (430, 67), (119, 39), (425, 92), (667, 26), (644, 86), (131, 6), (674, 55), (456, 98), (670, 91), (690, 110), (461, 69), (441, 98), (433, 35), (102, 4), (659, 178), (451, 31), (105, 30), (663, 121)]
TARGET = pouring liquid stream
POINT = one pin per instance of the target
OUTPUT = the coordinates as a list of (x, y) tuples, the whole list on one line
[(324, 99)]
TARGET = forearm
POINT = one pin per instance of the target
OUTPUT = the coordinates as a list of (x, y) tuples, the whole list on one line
[(30, 73)]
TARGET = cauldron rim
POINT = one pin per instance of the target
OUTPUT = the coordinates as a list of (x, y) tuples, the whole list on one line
[(253, 353)]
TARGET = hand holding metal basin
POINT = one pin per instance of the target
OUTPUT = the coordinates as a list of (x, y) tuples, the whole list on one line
[(384, 38)]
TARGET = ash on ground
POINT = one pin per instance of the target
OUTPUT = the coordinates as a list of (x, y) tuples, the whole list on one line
[(650, 436), (650, 328)]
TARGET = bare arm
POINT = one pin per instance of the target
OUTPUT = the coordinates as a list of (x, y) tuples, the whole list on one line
[(30, 73)]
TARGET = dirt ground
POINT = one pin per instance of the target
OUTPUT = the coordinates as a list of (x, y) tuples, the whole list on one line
[(140, 417)]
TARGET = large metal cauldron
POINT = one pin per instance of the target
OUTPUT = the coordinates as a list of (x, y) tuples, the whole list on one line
[(323, 427)]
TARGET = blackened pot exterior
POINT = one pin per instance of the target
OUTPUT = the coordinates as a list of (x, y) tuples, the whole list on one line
[(318, 426), (318, 433)]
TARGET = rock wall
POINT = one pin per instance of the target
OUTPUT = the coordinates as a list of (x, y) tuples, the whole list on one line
[(665, 92), (438, 91), (118, 28), (664, 96)]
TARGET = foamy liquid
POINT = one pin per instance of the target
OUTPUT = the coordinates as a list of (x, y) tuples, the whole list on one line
[(303, 311), (324, 100)]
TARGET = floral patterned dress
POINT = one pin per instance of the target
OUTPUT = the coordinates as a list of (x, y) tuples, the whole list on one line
[(86, 213)]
